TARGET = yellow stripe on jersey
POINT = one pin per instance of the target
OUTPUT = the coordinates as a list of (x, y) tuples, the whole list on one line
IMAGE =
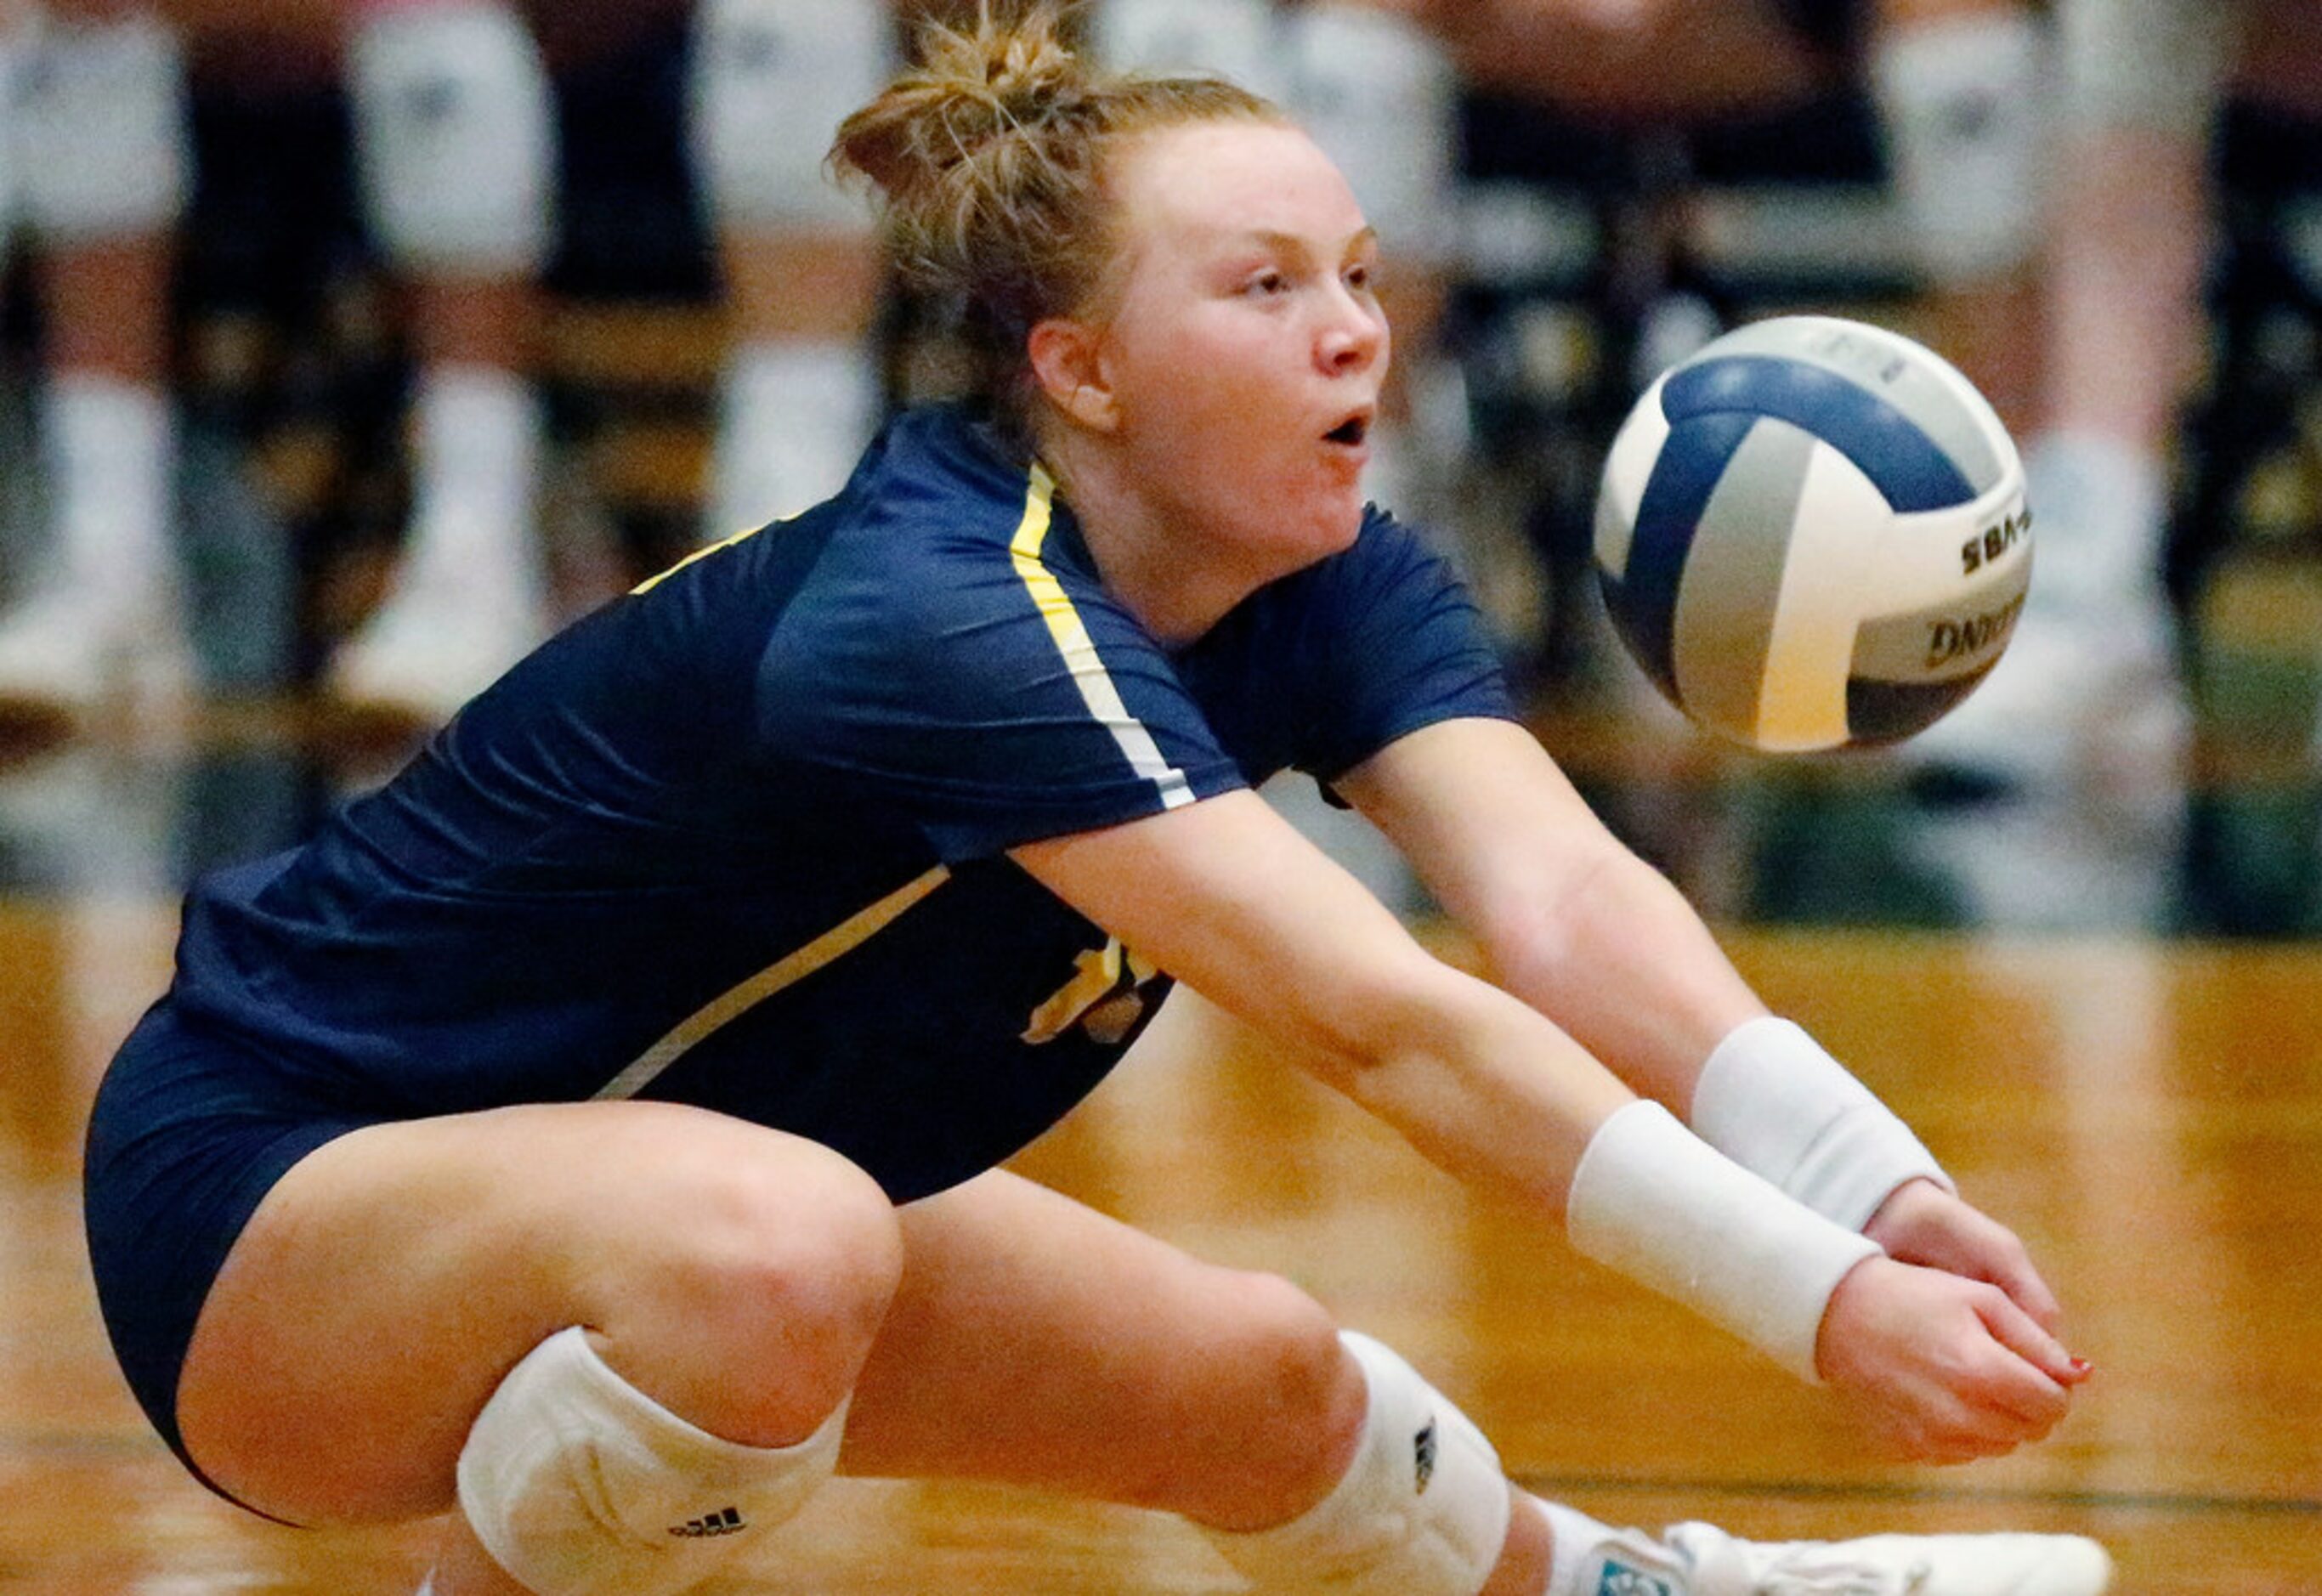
[(658, 578), (788, 970), (1079, 651)]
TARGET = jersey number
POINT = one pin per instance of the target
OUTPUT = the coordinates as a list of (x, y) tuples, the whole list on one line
[(1102, 998)]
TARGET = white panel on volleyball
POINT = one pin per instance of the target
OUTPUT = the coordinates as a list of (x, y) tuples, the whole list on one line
[(1627, 467), (1913, 565), (1926, 565), (1829, 567)]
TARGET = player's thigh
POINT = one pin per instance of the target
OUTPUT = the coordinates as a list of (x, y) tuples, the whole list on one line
[(1036, 1341), (385, 1286)]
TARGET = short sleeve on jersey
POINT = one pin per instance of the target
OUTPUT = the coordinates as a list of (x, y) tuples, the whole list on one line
[(1401, 646), (993, 694)]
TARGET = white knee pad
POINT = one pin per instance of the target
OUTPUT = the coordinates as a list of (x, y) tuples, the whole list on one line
[(2155, 64), (1381, 99), (454, 133), (104, 146), (1231, 39), (578, 1484), (1962, 103), (1423, 1512), (770, 80)]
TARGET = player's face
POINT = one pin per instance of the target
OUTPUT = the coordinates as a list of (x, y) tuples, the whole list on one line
[(1245, 348)]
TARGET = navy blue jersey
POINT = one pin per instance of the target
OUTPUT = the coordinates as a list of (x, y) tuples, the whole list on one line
[(737, 839)]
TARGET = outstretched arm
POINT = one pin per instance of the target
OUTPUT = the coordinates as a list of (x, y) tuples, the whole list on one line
[(1572, 922), (1586, 932), (1229, 898)]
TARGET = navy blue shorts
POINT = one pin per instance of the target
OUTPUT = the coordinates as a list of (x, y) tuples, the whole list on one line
[(190, 1130)]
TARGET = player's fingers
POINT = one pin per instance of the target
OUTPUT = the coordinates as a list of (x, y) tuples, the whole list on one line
[(2028, 1403), (2012, 1403), (1986, 1250), (2031, 1293), (1968, 1409), (2012, 1272), (2010, 1384), (1958, 1431), (2026, 1336)]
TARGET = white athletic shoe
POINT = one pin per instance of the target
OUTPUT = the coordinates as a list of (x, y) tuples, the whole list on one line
[(1717, 1564), (65, 649), (432, 645)]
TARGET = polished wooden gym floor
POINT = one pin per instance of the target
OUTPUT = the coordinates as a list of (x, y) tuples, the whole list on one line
[(2145, 1107)]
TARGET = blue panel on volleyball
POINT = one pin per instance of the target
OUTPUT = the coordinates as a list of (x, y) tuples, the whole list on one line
[(1880, 712), (1910, 472), (1692, 460)]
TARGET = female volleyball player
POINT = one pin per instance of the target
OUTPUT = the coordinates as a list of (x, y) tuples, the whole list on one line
[(595, 1129)]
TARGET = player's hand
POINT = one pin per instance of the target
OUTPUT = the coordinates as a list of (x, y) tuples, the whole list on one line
[(1922, 1223), (1940, 1368)]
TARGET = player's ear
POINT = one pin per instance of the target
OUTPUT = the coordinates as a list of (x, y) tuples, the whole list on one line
[(1066, 358)]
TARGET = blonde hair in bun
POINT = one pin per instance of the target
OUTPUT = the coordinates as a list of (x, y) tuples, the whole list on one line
[(990, 155)]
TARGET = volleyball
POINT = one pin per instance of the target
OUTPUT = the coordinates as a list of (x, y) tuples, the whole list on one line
[(1811, 534)]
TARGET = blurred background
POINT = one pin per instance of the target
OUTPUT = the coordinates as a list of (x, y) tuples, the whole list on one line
[(346, 350)]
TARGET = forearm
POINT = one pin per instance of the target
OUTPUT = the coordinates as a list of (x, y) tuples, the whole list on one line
[(1623, 964), (1501, 1100), (1671, 1016), (1228, 897), (1492, 1093), (1753, 1217), (1483, 1088)]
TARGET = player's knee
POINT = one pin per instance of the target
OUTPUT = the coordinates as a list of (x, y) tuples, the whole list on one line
[(1298, 1396), (801, 1252), (454, 137), (580, 1484), (1420, 1509), (789, 1264)]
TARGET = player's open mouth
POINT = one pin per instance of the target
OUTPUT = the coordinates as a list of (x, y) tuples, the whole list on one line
[(1350, 432)]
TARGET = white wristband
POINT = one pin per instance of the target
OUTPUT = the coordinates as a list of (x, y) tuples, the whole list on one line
[(1771, 1099), (1664, 1207)]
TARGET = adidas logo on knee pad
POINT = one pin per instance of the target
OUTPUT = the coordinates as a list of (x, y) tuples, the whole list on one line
[(726, 1521)]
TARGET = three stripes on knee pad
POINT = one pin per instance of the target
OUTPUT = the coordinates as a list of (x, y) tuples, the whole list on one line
[(580, 1484)]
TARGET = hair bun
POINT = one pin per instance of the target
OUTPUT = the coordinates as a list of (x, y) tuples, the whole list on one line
[(990, 154), (1003, 77)]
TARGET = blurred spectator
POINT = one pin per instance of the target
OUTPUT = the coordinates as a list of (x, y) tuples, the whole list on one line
[(97, 161), (1963, 89), (801, 392), (2090, 690), (454, 144)]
